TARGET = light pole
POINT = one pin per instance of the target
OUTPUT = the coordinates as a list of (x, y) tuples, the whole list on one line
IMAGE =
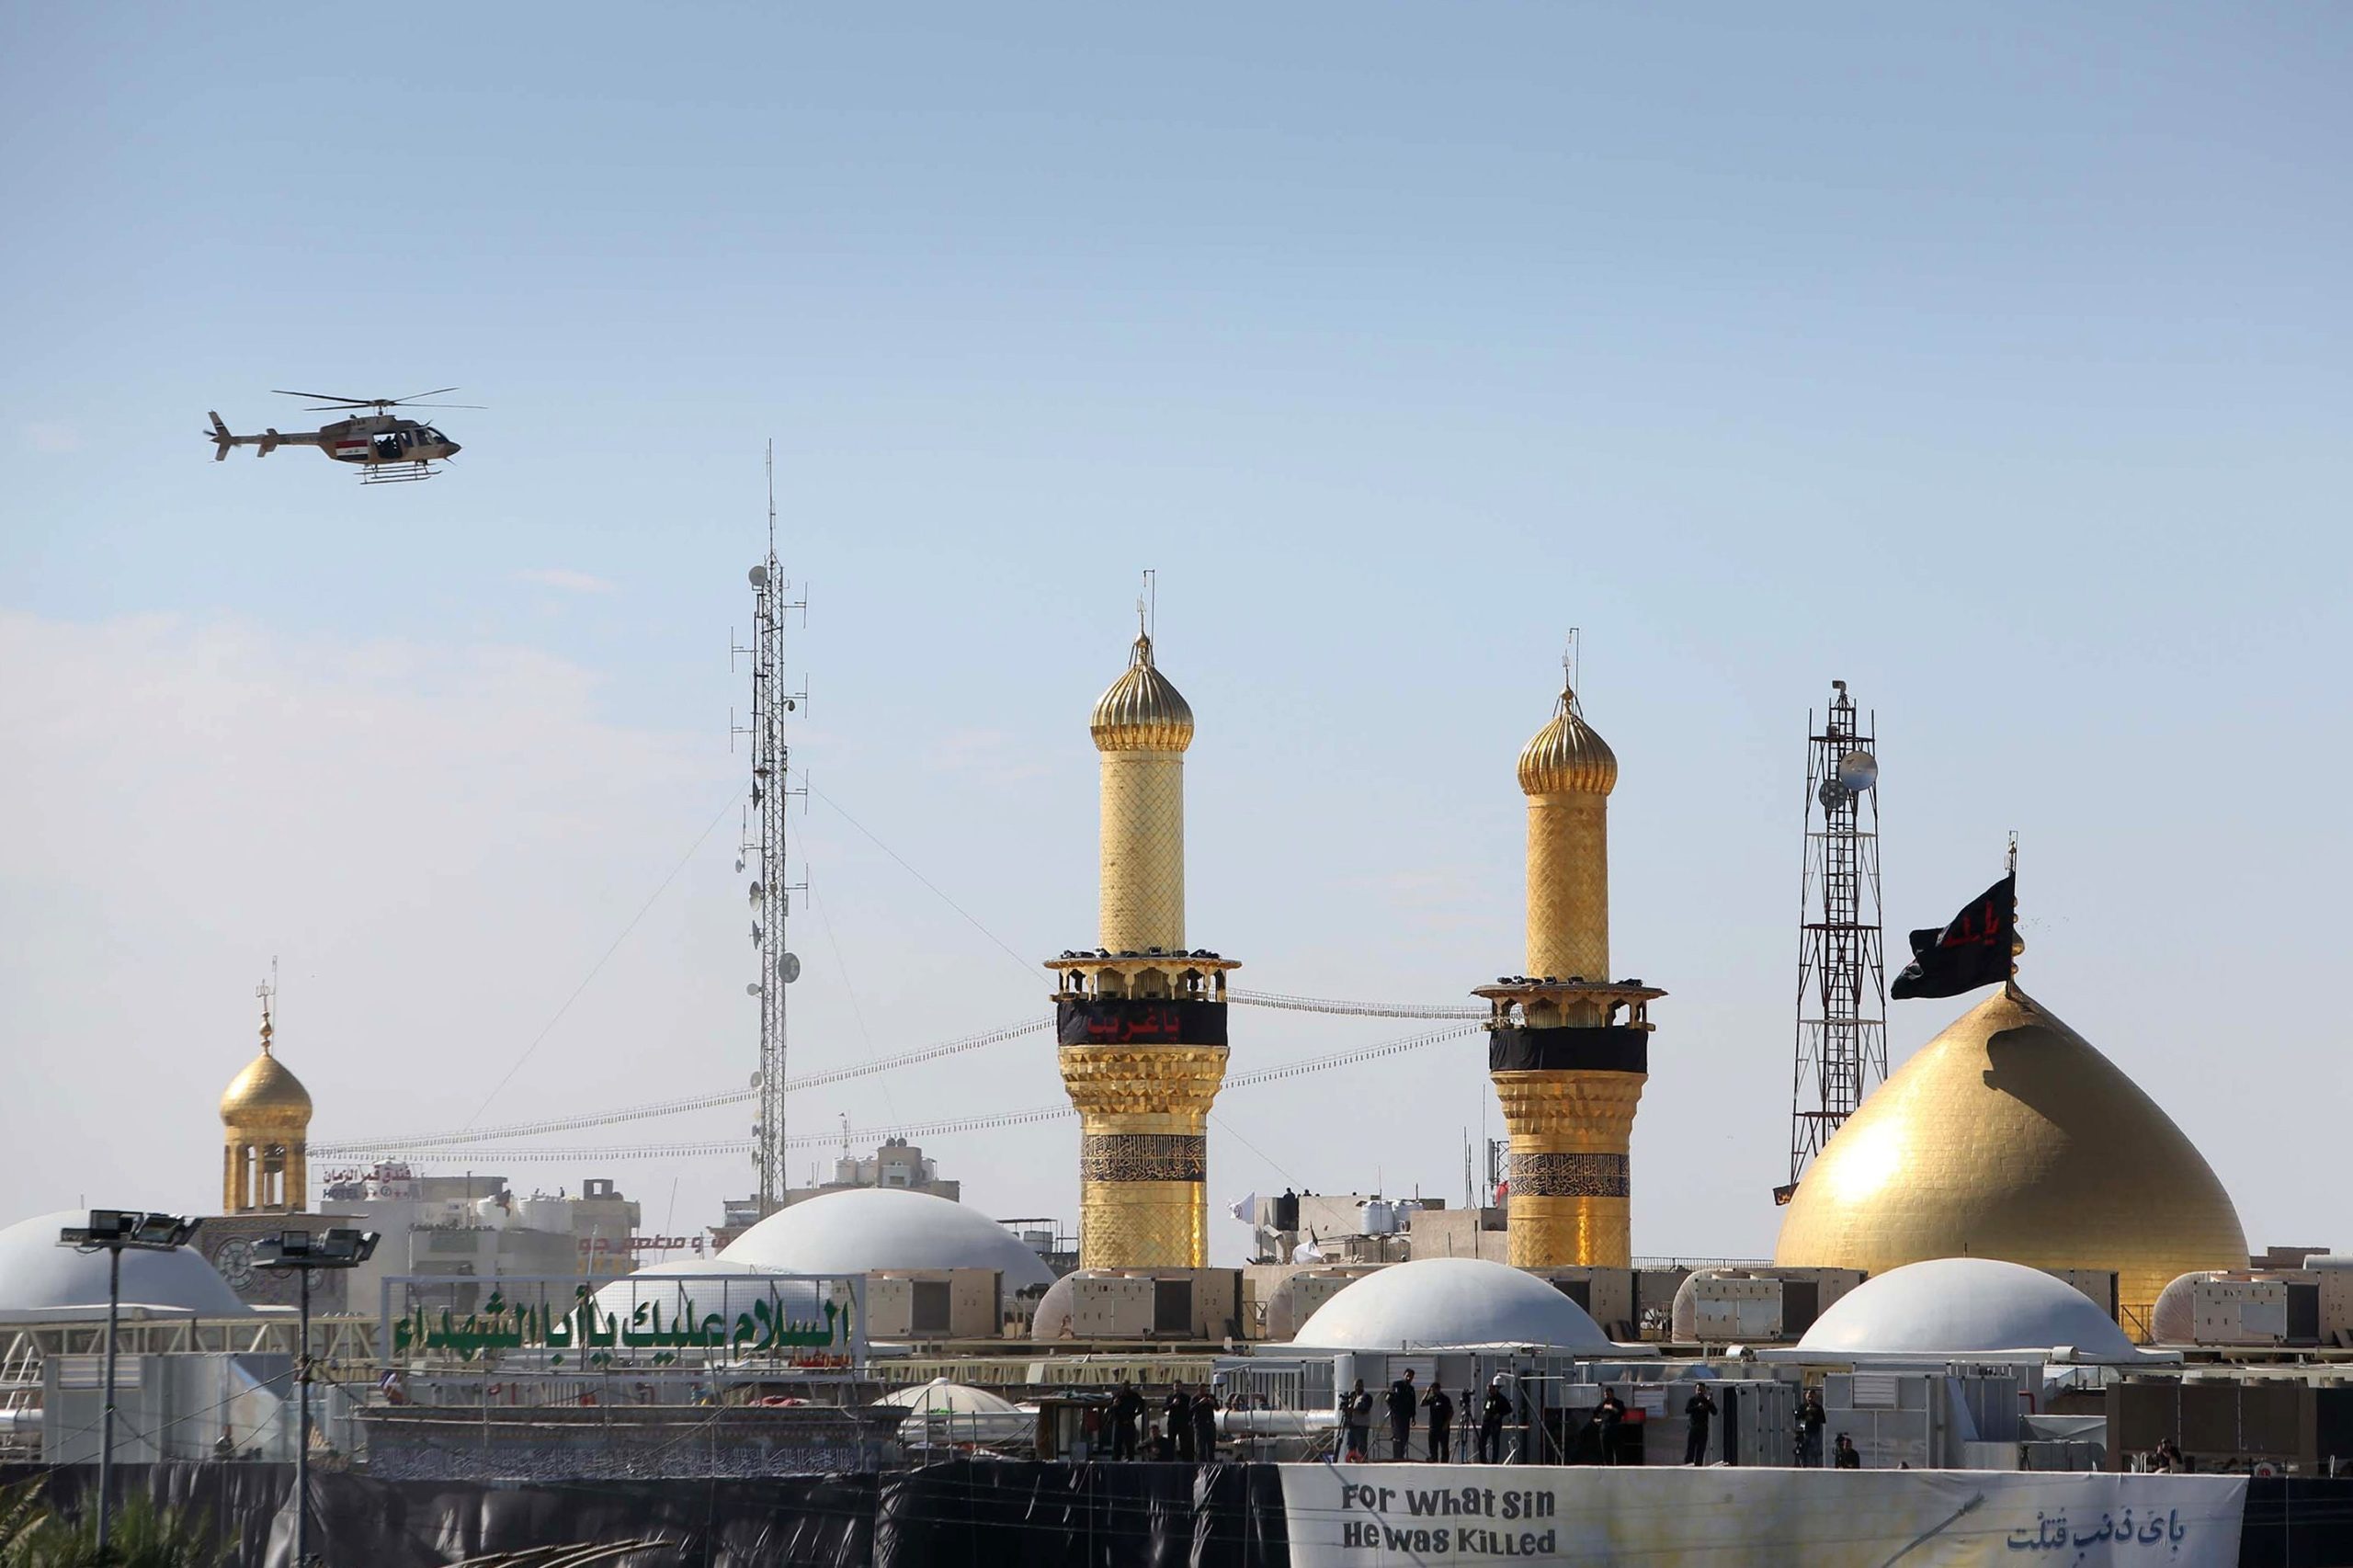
[(113, 1230), (305, 1251)]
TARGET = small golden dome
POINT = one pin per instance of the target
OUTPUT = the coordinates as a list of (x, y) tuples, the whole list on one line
[(1141, 711), (2009, 1136), (266, 1094), (1566, 757)]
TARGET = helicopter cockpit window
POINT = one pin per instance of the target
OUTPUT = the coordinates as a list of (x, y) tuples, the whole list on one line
[(430, 433)]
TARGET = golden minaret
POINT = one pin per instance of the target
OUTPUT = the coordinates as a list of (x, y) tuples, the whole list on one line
[(1141, 1021), (266, 1115), (1568, 1048)]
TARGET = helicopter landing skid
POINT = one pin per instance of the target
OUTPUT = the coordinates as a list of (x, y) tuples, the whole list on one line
[(395, 474)]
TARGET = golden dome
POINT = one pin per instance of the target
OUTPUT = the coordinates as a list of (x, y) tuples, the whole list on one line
[(1141, 711), (1566, 757), (266, 1094), (2007, 1136)]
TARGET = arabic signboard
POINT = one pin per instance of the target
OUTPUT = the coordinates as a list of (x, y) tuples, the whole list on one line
[(602, 1246), (1377, 1516), (559, 1323)]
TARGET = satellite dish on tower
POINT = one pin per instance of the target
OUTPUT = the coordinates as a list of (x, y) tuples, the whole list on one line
[(787, 967), (760, 576), (1859, 770), (752, 989)]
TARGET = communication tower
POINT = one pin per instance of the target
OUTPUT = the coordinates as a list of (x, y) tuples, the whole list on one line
[(763, 845), (1842, 974)]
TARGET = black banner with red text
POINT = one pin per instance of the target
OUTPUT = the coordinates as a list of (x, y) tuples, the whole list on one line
[(1110, 1020)]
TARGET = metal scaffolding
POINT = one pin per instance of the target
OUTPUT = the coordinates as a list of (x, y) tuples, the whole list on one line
[(1842, 976)]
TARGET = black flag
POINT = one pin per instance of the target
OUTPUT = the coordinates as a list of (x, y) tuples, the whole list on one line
[(1973, 951)]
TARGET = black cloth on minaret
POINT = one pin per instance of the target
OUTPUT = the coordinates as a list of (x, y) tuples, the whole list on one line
[(1120, 1020), (1974, 949)]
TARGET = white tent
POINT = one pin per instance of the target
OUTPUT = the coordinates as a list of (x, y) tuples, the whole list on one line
[(945, 1413)]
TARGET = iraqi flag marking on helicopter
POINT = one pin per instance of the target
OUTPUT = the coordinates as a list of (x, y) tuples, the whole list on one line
[(351, 448)]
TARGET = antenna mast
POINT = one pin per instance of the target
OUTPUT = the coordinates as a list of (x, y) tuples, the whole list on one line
[(1842, 973), (763, 845)]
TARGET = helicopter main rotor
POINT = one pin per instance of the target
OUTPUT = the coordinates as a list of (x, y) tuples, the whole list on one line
[(335, 403)]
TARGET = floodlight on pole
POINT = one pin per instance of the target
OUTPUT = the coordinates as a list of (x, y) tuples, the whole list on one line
[(305, 1251), (113, 1232)]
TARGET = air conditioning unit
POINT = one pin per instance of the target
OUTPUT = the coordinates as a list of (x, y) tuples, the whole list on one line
[(1112, 1308), (1736, 1310), (2241, 1312)]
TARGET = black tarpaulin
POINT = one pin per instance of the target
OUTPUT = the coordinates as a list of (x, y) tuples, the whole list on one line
[(784, 1522), (1593, 1047), (2297, 1521), (1087, 1516)]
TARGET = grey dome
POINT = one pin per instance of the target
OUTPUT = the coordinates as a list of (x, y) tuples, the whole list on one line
[(39, 1276)]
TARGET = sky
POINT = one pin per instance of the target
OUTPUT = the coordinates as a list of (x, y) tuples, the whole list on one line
[(1992, 359)]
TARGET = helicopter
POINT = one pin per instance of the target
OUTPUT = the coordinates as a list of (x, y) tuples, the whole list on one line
[(389, 448)]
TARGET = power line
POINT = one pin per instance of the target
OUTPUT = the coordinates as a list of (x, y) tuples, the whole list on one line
[(478, 1156), (1348, 1058), (594, 969), (1356, 1009), (916, 1130), (1028, 969), (351, 1147)]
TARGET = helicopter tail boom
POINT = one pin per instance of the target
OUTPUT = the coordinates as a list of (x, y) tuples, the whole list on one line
[(223, 440)]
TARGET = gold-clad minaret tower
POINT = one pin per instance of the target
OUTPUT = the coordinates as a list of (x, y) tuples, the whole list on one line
[(1568, 1048), (1141, 1021)]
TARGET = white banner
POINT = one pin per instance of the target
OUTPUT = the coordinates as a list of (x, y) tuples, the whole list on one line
[(1371, 1515)]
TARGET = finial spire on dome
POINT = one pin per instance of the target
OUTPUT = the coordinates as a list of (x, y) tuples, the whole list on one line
[(268, 992), (2017, 943)]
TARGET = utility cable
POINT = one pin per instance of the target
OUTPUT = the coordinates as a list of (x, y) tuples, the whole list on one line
[(1028, 970), (595, 968), (1356, 1010), (919, 1129), (348, 1148)]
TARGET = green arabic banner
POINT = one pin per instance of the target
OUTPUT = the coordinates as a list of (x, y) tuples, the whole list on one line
[(658, 1327)]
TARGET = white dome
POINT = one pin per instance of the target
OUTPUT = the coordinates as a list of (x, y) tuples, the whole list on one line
[(1965, 1306), (1437, 1301), (869, 1228), (1056, 1309), (39, 1276), (960, 1399)]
